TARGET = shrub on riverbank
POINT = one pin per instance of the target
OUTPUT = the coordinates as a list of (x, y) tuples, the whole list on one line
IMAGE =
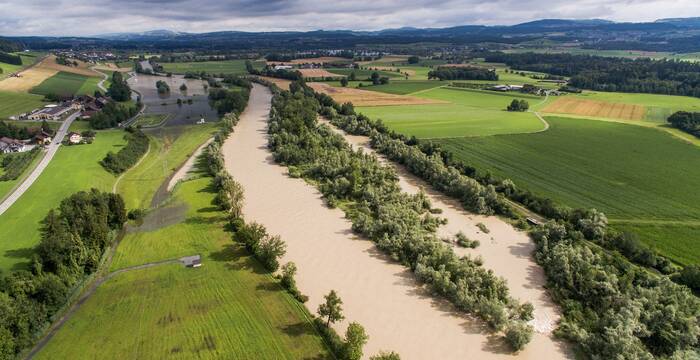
[(136, 146)]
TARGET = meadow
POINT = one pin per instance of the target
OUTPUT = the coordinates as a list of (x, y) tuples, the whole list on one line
[(72, 169), (232, 67), (469, 113), (405, 87), (228, 308), (169, 148), (15, 103), (62, 84), (633, 174)]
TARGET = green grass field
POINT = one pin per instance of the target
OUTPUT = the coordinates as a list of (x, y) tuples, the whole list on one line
[(227, 309), (233, 67), (631, 173), (73, 168), (13, 103), (469, 113), (6, 186), (63, 84), (170, 147)]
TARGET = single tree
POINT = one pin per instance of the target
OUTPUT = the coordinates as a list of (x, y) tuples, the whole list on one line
[(413, 59), (355, 340), (332, 309), (352, 76), (183, 87), (344, 82)]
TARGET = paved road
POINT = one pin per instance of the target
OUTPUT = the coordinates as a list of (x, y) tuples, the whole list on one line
[(48, 155)]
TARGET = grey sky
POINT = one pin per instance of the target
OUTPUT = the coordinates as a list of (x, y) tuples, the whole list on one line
[(87, 17)]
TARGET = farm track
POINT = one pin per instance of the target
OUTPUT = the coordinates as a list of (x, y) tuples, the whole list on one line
[(86, 294), (329, 256)]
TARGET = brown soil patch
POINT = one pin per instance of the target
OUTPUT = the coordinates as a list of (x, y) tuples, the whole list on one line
[(82, 68), (318, 73), (369, 98), (28, 79), (281, 83), (594, 108)]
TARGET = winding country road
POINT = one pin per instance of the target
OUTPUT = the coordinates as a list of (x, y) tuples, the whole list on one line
[(48, 155)]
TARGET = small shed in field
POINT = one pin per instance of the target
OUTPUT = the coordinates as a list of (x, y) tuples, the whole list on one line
[(192, 261)]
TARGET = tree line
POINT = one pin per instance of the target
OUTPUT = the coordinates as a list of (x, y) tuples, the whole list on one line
[(668, 77), (119, 89), (230, 100), (22, 132), (686, 121), (136, 146), (462, 73), (612, 308), (401, 225), (74, 238), (10, 58), (113, 114)]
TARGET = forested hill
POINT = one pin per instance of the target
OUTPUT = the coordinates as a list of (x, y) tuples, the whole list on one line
[(7, 45), (669, 77), (677, 35)]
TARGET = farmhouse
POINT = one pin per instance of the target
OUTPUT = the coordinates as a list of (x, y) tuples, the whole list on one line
[(50, 112), (9, 145), (74, 138), (42, 138)]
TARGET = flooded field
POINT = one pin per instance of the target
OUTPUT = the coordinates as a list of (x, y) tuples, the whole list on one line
[(166, 103)]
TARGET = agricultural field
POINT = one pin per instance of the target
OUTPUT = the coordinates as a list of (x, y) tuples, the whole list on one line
[(14, 103), (361, 97), (639, 177), (169, 148), (24, 217), (594, 108), (463, 112), (659, 107), (228, 308), (62, 84), (363, 74), (405, 87), (27, 59), (232, 67)]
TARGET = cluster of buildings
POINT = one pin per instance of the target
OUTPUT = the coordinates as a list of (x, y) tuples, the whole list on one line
[(88, 105), (8, 145)]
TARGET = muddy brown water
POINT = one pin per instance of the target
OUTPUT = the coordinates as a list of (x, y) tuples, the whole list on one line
[(383, 296)]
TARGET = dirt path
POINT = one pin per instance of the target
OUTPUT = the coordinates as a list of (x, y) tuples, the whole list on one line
[(181, 173), (84, 297), (380, 294)]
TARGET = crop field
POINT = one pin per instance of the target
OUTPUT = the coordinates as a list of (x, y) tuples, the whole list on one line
[(233, 67), (170, 147), (659, 107), (363, 74), (594, 108), (634, 174), (14, 103), (463, 113), (317, 73), (405, 87), (63, 84), (361, 97), (228, 308), (78, 168)]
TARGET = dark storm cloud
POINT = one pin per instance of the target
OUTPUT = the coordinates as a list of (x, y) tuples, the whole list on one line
[(82, 17)]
